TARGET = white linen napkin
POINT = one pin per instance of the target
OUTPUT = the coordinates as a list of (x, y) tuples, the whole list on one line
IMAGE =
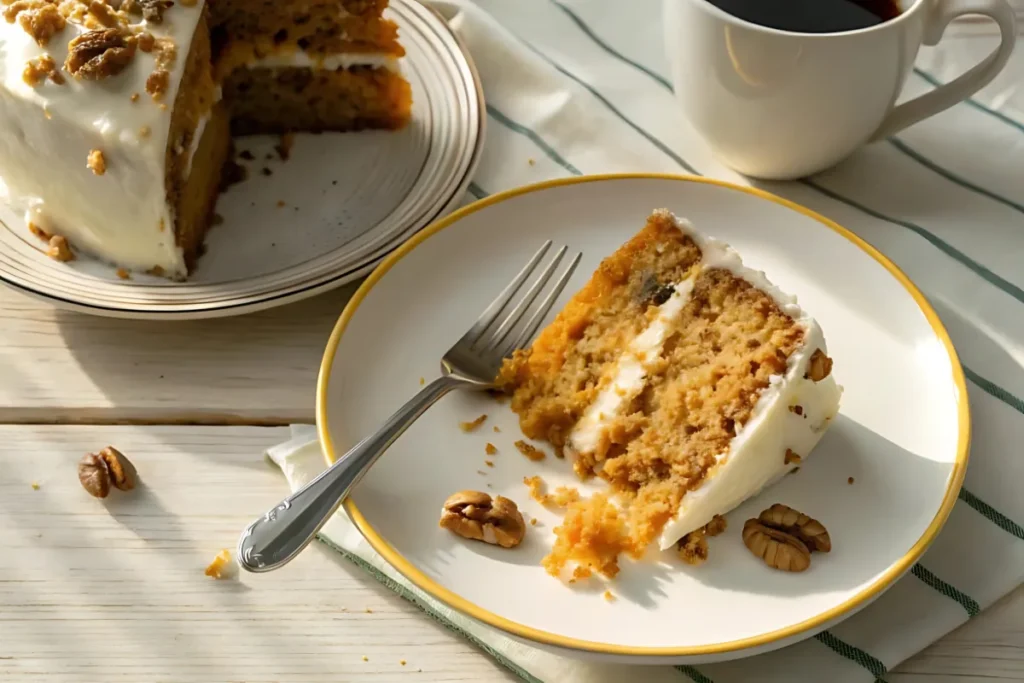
[(579, 86)]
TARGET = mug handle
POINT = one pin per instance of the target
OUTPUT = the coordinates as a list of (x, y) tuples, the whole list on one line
[(958, 90)]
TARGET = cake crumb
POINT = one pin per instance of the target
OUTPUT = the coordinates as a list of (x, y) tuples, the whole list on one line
[(96, 162), (791, 457), (716, 526), (490, 448), (481, 472), (365, 658), (531, 161), (266, 171), (423, 380), (693, 547), (533, 521), (217, 219), (38, 232), (562, 497), (402, 662), (145, 132), (497, 429), (798, 410), (281, 204), (608, 596), (124, 274), (284, 146), (530, 451), (35, 486), (471, 426), (59, 249), (134, 98), (849, 480), (489, 463), (222, 567)]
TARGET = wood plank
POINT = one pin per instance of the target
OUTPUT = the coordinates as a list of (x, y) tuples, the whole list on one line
[(114, 590), (63, 367)]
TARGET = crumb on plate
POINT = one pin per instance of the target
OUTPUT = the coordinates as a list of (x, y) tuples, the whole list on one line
[(471, 426)]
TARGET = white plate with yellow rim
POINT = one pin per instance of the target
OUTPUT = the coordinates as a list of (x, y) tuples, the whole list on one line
[(902, 434), (295, 228)]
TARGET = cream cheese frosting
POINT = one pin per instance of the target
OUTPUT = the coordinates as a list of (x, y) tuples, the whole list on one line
[(49, 131), (754, 458)]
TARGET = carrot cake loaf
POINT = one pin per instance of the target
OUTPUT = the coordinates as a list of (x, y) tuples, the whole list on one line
[(684, 379), (116, 115)]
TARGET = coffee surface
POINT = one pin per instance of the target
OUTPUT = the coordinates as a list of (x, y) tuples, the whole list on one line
[(812, 16)]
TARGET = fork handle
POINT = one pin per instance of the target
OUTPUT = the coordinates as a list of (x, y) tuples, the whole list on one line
[(274, 539)]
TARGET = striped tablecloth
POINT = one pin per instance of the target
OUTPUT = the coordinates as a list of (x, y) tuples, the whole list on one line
[(579, 86)]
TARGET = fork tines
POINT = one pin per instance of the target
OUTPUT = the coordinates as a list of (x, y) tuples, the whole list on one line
[(511, 320)]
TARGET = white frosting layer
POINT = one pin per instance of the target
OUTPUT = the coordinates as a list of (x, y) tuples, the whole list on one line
[(328, 63), (48, 132), (755, 457)]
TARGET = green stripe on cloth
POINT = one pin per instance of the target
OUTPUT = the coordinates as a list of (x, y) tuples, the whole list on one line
[(612, 108), (411, 597), (536, 139), (695, 676), (995, 390), (854, 654), (949, 175), (973, 102), (608, 48), (946, 248), (992, 515), (969, 604)]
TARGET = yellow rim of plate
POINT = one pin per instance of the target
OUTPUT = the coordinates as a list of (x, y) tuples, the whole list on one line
[(470, 609)]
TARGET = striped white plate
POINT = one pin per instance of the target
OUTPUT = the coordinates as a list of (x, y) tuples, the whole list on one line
[(299, 227)]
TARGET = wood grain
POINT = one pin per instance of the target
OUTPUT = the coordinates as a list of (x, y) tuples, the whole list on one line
[(114, 590), (60, 367)]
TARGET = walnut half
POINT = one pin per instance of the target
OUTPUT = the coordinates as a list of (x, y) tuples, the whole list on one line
[(475, 515), (784, 518), (96, 55), (99, 471), (778, 549)]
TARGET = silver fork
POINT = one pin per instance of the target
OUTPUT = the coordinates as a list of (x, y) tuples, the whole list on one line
[(473, 362)]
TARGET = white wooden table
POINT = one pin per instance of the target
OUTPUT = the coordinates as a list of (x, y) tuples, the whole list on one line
[(95, 591)]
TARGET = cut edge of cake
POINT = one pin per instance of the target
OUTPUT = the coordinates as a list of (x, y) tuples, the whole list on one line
[(651, 303)]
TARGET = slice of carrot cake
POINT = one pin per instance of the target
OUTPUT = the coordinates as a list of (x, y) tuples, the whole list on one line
[(685, 379)]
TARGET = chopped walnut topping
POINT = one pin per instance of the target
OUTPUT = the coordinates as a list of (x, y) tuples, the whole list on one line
[(530, 451), (470, 426), (693, 547), (810, 531), (475, 515), (791, 457), (40, 19), (146, 41), (100, 54), (778, 549), (222, 567), (166, 53), (820, 367), (38, 70), (59, 249), (97, 163), (151, 10), (158, 83), (104, 14)]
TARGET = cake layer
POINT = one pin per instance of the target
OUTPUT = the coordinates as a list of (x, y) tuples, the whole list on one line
[(572, 360), (283, 99), (724, 387), (249, 18)]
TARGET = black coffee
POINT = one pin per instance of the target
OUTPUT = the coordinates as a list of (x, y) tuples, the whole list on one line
[(812, 16)]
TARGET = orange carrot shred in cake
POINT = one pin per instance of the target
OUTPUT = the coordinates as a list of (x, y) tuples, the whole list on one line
[(670, 375)]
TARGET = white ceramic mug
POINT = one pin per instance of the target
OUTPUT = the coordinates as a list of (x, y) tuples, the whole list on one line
[(779, 105)]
